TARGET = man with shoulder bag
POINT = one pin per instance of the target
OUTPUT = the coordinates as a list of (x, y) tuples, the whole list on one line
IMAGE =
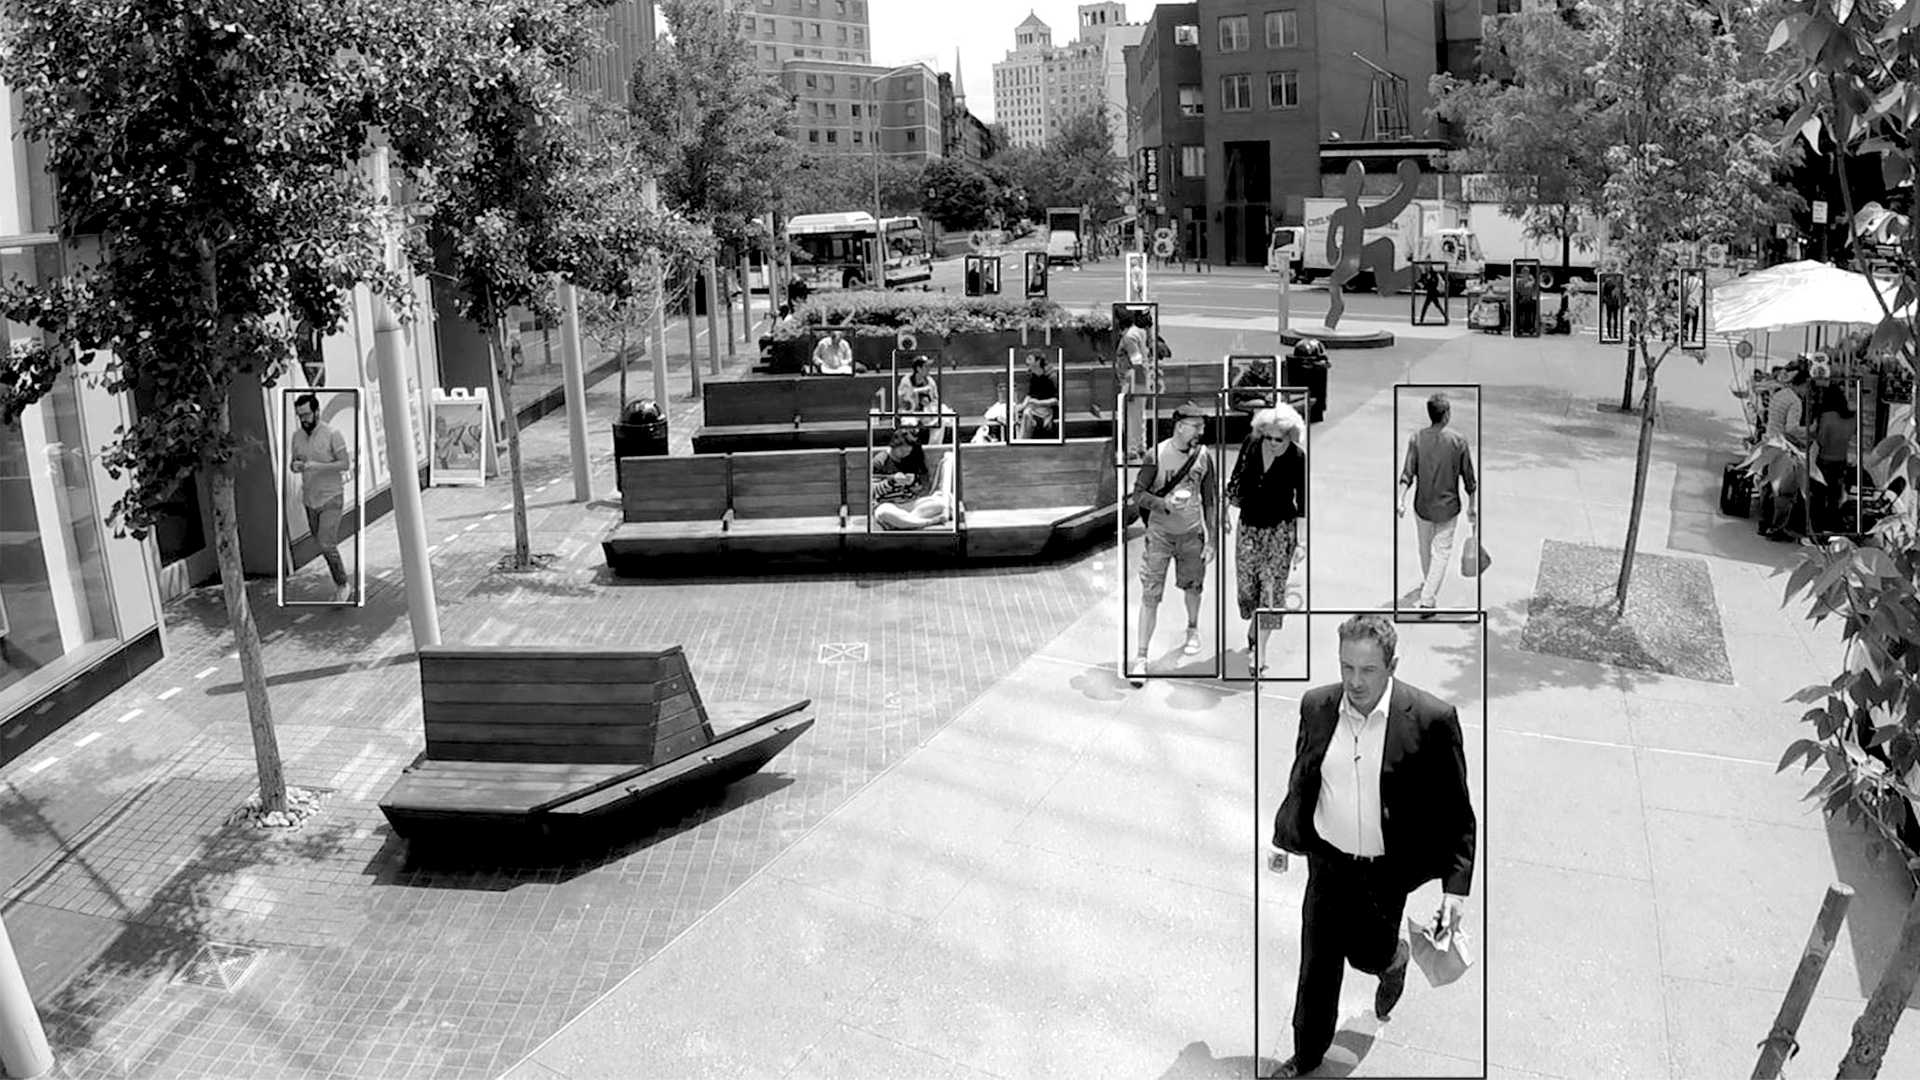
[(1177, 493)]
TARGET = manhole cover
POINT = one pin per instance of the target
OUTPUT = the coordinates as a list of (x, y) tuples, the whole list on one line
[(219, 967)]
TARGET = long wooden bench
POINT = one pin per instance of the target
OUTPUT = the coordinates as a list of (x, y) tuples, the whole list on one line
[(1021, 501), (674, 506), (525, 742), (750, 413)]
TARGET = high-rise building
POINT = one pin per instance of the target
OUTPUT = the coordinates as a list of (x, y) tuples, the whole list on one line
[(782, 30), (626, 30), (1040, 85), (848, 108)]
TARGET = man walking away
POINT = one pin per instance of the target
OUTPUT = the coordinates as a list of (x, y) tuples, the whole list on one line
[(1439, 464)]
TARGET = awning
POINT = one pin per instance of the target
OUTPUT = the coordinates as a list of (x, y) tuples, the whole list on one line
[(1797, 294)]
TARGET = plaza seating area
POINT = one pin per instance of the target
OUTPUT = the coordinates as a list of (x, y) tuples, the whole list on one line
[(802, 412), (530, 743), (717, 513)]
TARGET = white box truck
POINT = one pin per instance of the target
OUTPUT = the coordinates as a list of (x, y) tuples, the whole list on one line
[(1427, 230), (1503, 238)]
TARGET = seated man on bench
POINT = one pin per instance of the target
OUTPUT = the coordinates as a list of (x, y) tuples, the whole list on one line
[(904, 494), (833, 356)]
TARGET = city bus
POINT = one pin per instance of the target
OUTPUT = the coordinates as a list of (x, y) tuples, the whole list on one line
[(831, 250)]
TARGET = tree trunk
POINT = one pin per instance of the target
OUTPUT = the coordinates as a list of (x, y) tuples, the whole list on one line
[(246, 635), (522, 547), (1874, 1029), (1626, 387), (623, 360), (1566, 256), (1648, 400)]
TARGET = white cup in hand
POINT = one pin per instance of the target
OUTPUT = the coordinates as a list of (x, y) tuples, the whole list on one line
[(1277, 861)]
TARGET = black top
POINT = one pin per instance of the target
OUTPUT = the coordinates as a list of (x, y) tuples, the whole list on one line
[(1042, 387), (1267, 495)]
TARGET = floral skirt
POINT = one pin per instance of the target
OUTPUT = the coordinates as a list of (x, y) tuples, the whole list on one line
[(1263, 557)]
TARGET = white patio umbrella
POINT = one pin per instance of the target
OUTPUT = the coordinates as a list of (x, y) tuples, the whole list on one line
[(1796, 294)]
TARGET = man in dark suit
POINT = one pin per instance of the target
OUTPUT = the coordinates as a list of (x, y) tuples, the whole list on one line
[(1378, 804)]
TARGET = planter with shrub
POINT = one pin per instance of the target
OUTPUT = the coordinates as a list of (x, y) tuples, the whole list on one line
[(969, 331)]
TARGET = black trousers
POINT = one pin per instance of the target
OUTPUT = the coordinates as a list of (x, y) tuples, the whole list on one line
[(1351, 915)]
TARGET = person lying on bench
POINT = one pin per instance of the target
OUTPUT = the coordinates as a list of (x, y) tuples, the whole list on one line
[(903, 492), (1039, 409)]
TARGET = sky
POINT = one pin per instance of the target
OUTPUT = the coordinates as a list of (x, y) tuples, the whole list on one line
[(904, 31)]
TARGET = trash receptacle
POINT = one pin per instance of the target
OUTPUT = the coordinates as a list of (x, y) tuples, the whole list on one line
[(1307, 367), (641, 431)]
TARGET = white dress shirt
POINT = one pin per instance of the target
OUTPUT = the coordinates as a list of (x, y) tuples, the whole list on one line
[(1348, 814)]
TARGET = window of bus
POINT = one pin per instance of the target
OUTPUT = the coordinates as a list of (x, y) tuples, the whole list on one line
[(55, 600)]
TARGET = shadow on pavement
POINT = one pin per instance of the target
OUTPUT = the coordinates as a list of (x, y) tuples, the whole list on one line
[(287, 678), (1882, 890)]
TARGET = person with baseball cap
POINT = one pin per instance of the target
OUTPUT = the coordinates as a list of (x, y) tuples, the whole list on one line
[(1178, 490)]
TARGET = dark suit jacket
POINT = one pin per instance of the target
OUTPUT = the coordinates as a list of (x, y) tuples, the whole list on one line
[(1427, 820)]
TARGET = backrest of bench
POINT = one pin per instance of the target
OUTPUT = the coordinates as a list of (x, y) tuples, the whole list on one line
[(752, 400), (673, 488), (1077, 472), (580, 705), (787, 484), (835, 397), (859, 474), (1200, 381)]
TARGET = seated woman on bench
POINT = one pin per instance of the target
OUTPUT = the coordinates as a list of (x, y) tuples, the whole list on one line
[(920, 393), (1039, 409), (904, 494), (993, 424)]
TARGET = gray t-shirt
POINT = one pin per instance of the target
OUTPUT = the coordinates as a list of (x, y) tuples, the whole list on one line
[(1184, 513)]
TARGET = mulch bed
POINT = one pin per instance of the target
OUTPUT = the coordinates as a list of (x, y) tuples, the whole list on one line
[(1672, 624)]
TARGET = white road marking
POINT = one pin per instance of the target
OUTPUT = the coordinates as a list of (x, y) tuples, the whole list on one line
[(303, 618), (204, 672), (87, 739), (130, 714), (169, 692), (433, 548), (43, 766), (470, 528)]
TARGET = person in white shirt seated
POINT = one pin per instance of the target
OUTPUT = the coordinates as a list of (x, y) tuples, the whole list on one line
[(993, 424), (833, 355)]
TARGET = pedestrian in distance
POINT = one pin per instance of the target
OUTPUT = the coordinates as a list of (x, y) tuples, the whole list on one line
[(1269, 488), (1430, 292), (1178, 488), (1378, 804), (1437, 468), (318, 454)]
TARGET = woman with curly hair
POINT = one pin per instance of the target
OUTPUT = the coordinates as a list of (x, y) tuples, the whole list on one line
[(1269, 487)]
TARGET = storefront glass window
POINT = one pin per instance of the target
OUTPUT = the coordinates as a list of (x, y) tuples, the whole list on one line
[(55, 607)]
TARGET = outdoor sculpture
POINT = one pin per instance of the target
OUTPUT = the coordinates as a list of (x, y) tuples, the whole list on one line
[(1347, 247)]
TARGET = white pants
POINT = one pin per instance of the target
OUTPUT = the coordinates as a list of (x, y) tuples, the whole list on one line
[(1436, 550)]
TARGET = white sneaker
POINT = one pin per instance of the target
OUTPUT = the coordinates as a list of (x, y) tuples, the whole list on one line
[(343, 594), (1192, 646)]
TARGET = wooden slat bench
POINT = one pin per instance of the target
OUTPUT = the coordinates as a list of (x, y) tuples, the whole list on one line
[(887, 545), (1011, 509), (790, 504), (520, 738), (671, 506)]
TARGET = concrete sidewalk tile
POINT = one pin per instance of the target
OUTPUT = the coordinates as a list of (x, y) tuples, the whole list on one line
[(1388, 1058), (1566, 805), (1186, 829), (1719, 788), (1576, 982), (1733, 728), (1737, 899), (1507, 1072), (1074, 971), (699, 1008), (851, 1051), (1198, 707), (1590, 713), (941, 819), (1716, 1027)]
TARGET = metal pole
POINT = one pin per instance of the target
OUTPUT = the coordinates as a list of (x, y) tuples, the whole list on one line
[(656, 311), (746, 299), (728, 297), (1286, 300), (23, 1042), (573, 376), (1779, 1045), (693, 335), (877, 265), (397, 420), (713, 315)]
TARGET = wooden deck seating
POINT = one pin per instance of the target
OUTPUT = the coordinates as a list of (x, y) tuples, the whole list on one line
[(791, 412), (1014, 501), (672, 505), (521, 739)]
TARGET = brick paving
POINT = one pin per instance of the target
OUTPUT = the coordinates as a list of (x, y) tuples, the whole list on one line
[(120, 867)]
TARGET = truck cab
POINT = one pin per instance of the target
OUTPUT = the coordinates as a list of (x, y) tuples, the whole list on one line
[(1284, 251)]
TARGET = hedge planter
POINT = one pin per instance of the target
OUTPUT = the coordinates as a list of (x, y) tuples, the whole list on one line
[(790, 357), (970, 331)]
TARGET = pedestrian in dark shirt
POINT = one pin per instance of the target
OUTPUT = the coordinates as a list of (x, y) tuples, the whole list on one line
[(1439, 464), (1269, 488), (1039, 409)]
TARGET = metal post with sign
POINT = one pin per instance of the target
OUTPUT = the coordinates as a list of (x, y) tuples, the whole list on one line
[(1820, 219)]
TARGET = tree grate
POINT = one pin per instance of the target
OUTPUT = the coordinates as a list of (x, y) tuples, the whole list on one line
[(219, 967)]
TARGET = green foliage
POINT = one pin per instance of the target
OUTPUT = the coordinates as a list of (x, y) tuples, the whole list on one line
[(1077, 168), (841, 183), (1546, 127), (881, 314), (1855, 68), (717, 126), (214, 152), (959, 195)]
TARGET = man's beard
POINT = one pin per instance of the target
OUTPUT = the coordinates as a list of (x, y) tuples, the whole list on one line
[(308, 425)]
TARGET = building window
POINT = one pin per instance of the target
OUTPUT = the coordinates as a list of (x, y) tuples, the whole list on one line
[(834, 110), (813, 31), (1283, 89), (856, 110), (813, 108), (833, 136), (1283, 29), (912, 136), (1236, 93), (812, 83), (858, 138), (813, 136), (1234, 35), (843, 35), (799, 28), (913, 111), (827, 82), (1186, 35), (766, 27), (1193, 163), (839, 7), (814, 4)]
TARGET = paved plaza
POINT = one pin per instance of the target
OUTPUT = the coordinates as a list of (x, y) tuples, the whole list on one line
[(990, 857)]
